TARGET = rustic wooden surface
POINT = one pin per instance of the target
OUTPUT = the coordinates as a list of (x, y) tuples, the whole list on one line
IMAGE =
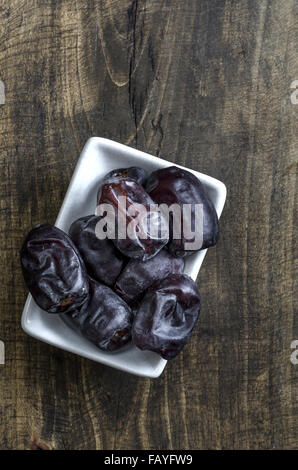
[(204, 83)]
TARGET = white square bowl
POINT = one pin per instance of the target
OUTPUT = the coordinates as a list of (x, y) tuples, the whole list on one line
[(98, 157)]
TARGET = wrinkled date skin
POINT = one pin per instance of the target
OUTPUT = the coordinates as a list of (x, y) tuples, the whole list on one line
[(107, 319), (137, 245), (167, 316), (102, 260), (134, 173), (138, 276), (53, 270), (174, 185)]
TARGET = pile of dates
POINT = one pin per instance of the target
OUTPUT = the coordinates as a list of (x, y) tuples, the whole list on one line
[(117, 289)]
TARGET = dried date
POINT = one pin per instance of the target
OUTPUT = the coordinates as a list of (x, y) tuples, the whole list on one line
[(102, 260), (138, 276), (132, 208), (174, 185), (167, 316), (53, 270), (107, 319)]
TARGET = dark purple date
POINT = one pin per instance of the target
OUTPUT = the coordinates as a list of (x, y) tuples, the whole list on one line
[(53, 270), (138, 276), (174, 185), (140, 239), (102, 260), (167, 316), (134, 173), (106, 321)]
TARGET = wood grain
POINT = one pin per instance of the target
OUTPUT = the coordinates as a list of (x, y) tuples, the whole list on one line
[(203, 83)]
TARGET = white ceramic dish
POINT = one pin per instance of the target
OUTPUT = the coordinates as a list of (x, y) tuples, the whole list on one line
[(98, 157)]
